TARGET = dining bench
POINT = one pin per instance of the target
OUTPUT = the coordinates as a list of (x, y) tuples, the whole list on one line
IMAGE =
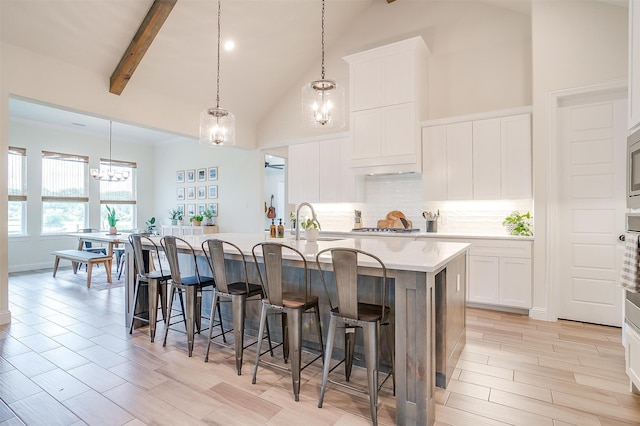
[(79, 256)]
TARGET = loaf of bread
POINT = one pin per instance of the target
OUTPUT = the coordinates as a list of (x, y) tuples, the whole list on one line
[(393, 220)]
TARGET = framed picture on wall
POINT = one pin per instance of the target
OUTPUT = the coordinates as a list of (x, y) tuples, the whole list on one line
[(180, 194), (213, 208), (202, 175), (202, 192), (191, 175), (201, 208), (213, 173), (191, 210), (213, 191), (191, 193), (180, 176), (180, 208)]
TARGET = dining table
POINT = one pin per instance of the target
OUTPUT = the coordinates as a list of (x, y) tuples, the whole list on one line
[(103, 237)]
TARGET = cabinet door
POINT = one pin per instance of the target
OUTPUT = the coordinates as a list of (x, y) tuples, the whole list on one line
[(486, 159), (434, 163), (400, 126), (515, 282), (632, 354), (459, 161), (516, 156), (365, 79), (634, 64), (303, 176), (365, 128), (484, 279), (337, 181)]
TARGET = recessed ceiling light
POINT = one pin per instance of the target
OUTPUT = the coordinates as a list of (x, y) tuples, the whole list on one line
[(79, 124), (229, 45)]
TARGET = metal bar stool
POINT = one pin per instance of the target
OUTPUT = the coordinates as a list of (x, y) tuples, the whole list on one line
[(151, 275), (239, 292), (291, 304), (192, 285), (354, 314)]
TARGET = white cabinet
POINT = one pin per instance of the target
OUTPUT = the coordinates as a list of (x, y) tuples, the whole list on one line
[(500, 273), (387, 97), (321, 172), (181, 231), (485, 159), (632, 354), (634, 65)]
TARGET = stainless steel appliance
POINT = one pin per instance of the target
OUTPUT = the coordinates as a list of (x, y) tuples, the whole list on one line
[(633, 170)]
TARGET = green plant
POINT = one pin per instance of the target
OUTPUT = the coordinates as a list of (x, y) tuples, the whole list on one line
[(111, 216), (519, 224), (208, 214), (175, 214), (151, 225), (197, 218), (309, 223), (292, 219)]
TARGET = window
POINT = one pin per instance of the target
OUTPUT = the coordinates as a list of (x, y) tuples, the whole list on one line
[(119, 195), (64, 192), (17, 180)]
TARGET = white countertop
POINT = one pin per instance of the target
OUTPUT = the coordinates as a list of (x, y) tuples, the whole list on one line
[(396, 253), (423, 235)]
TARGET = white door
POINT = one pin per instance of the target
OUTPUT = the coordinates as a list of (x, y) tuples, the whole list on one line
[(591, 169)]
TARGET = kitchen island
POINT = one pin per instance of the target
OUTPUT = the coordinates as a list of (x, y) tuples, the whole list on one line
[(428, 283)]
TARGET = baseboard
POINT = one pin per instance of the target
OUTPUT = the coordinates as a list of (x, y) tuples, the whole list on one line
[(5, 317), (30, 267), (539, 314)]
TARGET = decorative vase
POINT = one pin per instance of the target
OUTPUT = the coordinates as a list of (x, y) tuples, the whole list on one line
[(113, 230), (174, 222), (312, 234)]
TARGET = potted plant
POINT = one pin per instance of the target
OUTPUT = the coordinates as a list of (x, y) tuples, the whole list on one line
[(518, 224), (112, 219), (151, 226), (196, 220), (311, 229), (208, 217), (175, 215)]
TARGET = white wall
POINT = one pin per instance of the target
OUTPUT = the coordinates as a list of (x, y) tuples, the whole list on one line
[(574, 44), (480, 60), (33, 251), (240, 180)]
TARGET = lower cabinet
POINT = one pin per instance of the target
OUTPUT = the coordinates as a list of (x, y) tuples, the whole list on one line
[(181, 231), (500, 273), (632, 354)]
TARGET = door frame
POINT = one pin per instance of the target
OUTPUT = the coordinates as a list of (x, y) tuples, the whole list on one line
[(554, 98)]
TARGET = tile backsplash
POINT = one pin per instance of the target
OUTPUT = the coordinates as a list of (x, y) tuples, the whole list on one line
[(404, 192)]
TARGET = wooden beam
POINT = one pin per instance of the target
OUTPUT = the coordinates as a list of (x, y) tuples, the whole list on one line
[(150, 27)]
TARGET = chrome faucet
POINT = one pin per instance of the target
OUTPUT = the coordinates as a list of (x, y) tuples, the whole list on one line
[(313, 215)]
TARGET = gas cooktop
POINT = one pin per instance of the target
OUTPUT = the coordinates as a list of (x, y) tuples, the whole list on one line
[(390, 230)]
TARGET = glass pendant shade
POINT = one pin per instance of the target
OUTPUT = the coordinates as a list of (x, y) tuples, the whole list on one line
[(217, 127), (323, 104)]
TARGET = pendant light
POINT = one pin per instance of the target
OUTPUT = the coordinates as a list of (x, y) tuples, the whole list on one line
[(109, 176), (217, 125), (323, 99)]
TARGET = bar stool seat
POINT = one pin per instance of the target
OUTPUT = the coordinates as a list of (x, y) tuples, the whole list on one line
[(291, 304), (348, 309), (191, 285), (239, 292)]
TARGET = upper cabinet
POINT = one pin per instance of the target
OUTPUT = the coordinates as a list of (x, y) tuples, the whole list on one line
[(486, 159), (321, 172), (388, 97), (634, 65)]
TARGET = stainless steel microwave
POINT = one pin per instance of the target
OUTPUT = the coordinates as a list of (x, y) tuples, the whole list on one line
[(633, 170)]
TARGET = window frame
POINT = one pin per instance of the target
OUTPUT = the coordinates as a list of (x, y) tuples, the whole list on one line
[(106, 164), (19, 196)]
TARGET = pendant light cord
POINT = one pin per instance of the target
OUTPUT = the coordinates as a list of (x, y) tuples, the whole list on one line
[(218, 76), (110, 125), (322, 69)]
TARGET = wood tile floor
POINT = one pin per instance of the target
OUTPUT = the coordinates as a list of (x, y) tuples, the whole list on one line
[(67, 359)]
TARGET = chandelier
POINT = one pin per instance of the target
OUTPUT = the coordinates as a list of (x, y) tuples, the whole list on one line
[(110, 175), (323, 99), (217, 125)]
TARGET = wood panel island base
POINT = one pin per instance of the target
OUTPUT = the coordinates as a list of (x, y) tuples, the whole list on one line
[(427, 295)]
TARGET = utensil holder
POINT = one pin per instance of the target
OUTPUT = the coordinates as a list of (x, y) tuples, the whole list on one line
[(432, 226)]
